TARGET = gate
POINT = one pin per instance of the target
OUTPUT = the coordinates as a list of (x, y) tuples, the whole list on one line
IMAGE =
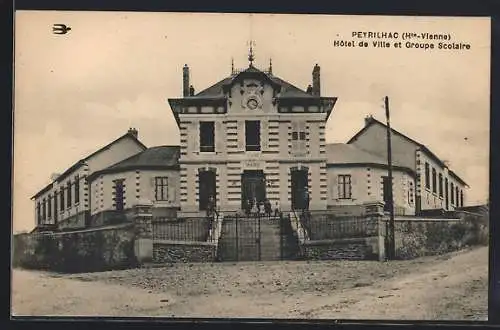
[(256, 238)]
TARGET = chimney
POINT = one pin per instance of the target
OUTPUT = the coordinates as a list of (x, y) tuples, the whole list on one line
[(191, 90), (309, 89), (185, 80), (316, 86), (133, 132), (368, 120)]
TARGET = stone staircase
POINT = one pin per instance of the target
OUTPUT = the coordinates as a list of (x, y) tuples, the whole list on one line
[(253, 239)]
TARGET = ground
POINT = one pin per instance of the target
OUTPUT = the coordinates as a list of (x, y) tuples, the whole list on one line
[(449, 287)]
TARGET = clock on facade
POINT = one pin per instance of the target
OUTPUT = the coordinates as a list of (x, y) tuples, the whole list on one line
[(252, 104)]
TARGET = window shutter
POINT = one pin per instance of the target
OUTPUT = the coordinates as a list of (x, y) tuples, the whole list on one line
[(351, 185), (217, 140), (264, 137), (339, 187), (241, 135)]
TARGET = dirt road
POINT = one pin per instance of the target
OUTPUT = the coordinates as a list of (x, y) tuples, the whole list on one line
[(453, 287)]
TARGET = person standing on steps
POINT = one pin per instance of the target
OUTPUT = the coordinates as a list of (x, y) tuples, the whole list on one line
[(268, 208), (307, 200)]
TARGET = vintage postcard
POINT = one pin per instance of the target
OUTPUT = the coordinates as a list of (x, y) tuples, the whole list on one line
[(251, 166)]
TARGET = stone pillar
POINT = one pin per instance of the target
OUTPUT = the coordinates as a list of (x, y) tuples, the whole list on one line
[(143, 224), (375, 211)]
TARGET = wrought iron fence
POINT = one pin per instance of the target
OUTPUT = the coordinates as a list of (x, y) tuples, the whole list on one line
[(189, 229), (321, 225)]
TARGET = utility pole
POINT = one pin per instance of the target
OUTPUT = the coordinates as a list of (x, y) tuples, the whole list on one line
[(390, 228)]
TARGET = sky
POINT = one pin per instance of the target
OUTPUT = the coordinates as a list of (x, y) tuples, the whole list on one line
[(75, 93)]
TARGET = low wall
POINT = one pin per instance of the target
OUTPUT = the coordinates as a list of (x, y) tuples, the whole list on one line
[(345, 248), (421, 237), (167, 251), (88, 250), (108, 218), (77, 221)]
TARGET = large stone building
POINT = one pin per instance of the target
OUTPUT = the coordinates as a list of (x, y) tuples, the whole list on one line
[(252, 136), (65, 201), (436, 185)]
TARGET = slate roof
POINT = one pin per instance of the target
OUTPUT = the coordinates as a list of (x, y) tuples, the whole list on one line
[(159, 157), (287, 89), (348, 154), (373, 121), (81, 162)]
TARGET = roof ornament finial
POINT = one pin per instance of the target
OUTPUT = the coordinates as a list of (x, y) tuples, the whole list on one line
[(232, 65), (251, 56), (270, 65)]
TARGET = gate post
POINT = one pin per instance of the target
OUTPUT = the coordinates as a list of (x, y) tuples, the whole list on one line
[(374, 211), (236, 220), (143, 225)]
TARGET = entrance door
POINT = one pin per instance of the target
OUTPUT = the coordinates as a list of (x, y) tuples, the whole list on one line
[(386, 191), (299, 186), (253, 186), (206, 188)]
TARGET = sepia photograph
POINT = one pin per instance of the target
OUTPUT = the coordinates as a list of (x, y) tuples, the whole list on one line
[(273, 166)]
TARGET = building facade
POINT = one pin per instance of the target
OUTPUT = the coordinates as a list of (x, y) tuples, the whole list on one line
[(356, 177), (151, 175), (252, 136), (436, 185), (65, 202)]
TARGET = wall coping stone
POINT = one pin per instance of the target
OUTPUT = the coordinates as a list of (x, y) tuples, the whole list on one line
[(173, 242), (416, 219), (93, 229), (339, 240)]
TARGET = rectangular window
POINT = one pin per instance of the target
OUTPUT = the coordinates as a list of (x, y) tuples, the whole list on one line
[(119, 194), (344, 186), (427, 176), (446, 194), (207, 136), (461, 198), (38, 212), (68, 190), (161, 188), (302, 136), (457, 195), (62, 198), (434, 182), (452, 194), (295, 136), (440, 185), (252, 135), (49, 207), (44, 209), (77, 189)]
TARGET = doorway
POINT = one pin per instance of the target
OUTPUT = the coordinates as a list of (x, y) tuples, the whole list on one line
[(253, 186), (206, 187), (299, 186)]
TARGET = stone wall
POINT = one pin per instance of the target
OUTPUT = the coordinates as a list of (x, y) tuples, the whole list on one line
[(420, 237), (350, 249), (106, 218), (78, 251), (176, 251), (77, 221)]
